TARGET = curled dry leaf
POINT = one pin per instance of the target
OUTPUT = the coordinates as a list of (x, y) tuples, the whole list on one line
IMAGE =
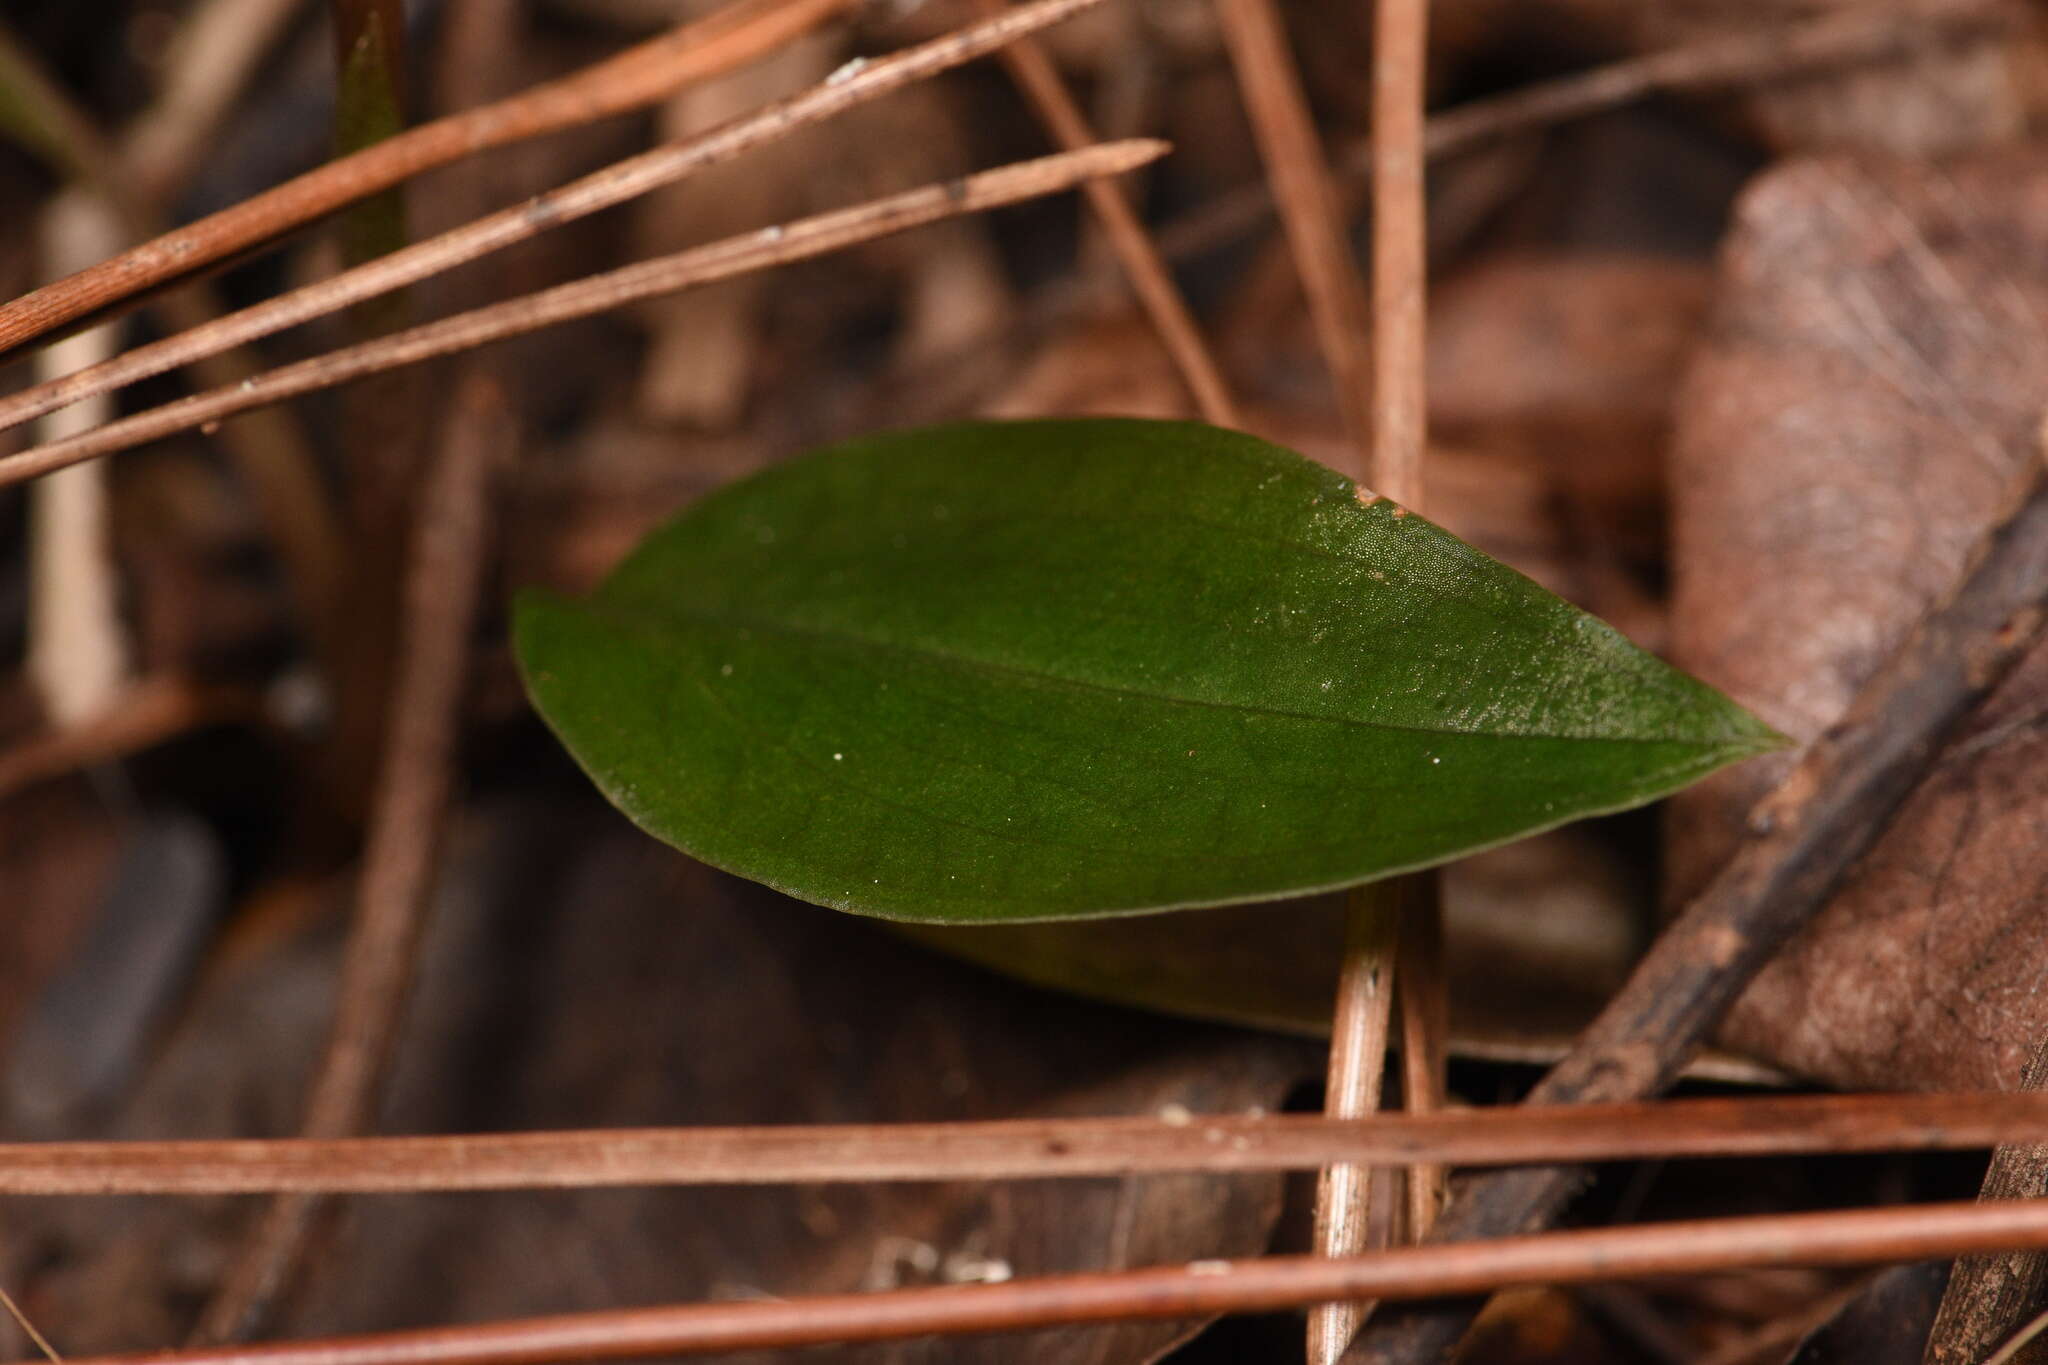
[(1876, 378), (578, 974)]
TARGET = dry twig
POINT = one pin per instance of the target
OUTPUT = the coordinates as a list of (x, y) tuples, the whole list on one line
[(1423, 997), (1300, 182), (1804, 838), (1360, 1024), (1400, 269), (2019, 1341), (1990, 1298), (762, 250), (1035, 75), (1380, 939)]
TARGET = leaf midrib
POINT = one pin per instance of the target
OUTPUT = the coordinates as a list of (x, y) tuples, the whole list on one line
[(642, 622)]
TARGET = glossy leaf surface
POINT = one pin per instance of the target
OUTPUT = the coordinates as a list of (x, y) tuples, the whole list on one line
[(1034, 670)]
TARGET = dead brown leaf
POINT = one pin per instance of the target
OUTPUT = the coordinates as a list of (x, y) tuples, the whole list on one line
[(1877, 374)]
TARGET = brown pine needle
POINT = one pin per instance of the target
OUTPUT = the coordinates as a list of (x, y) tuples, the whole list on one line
[(1035, 75), (1312, 218), (1400, 270), (854, 84), (1384, 422), (1202, 1288), (1309, 212), (1359, 1027), (602, 189), (2019, 1341), (1027, 1149), (1423, 997), (41, 1342), (639, 76), (1739, 61), (1400, 257), (762, 250)]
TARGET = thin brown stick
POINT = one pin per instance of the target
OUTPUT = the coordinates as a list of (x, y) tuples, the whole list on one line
[(615, 184), (1360, 1024), (1378, 939), (29, 1329), (1586, 1256), (1311, 215), (1400, 269), (1423, 997), (1300, 182), (444, 573), (636, 77), (1739, 61), (1400, 255), (1026, 1149), (2019, 1341), (1035, 75), (1989, 1298), (762, 250), (1803, 839)]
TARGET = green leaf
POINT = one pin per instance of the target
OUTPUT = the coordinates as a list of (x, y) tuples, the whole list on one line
[(997, 672)]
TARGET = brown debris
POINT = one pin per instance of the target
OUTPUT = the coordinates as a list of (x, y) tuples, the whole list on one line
[(1876, 376)]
